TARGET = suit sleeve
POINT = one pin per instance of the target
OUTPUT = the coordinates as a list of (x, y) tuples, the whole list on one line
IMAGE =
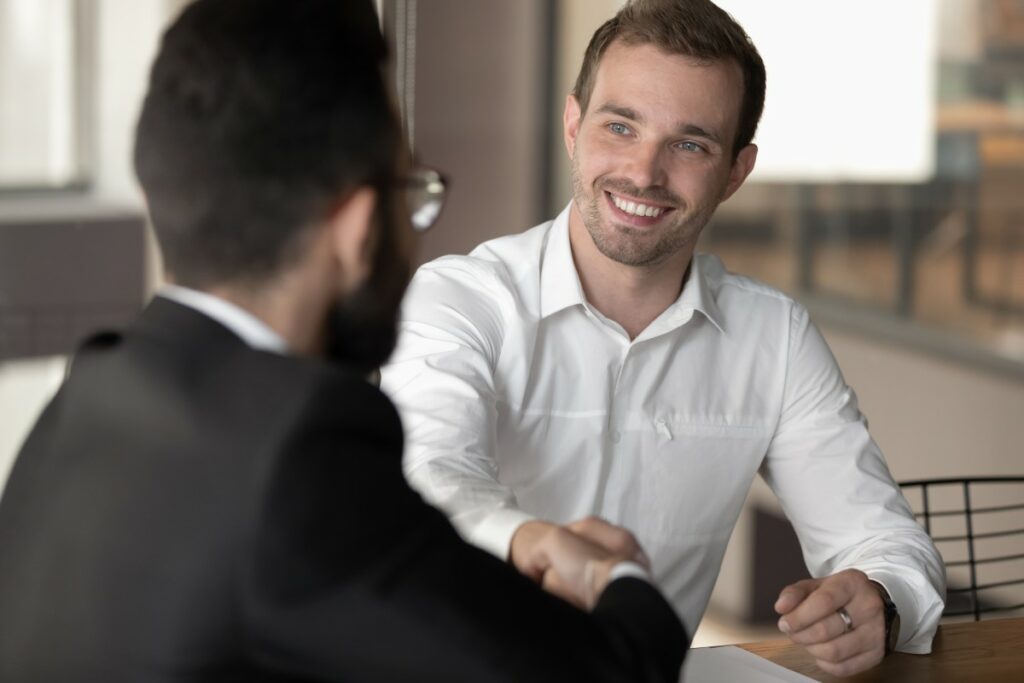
[(353, 577)]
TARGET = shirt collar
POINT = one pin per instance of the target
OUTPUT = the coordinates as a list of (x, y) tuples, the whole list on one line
[(560, 285), (253, 331), (697, 295)]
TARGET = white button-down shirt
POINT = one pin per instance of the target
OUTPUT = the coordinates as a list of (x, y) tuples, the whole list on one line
[(521, 400)]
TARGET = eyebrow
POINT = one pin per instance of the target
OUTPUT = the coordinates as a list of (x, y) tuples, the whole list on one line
[(682, 129)]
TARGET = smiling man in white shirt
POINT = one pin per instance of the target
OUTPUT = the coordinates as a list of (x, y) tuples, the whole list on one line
[(595, 365)]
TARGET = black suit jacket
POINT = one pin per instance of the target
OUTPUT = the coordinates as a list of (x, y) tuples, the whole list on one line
[(190, 509)]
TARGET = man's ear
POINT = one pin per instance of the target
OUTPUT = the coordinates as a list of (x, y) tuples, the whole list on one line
[(741, 168), (350, 236), (571, 123)]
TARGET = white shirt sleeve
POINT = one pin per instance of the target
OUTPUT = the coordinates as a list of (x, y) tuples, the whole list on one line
[(835, 487), (624, 570), (441, 377)]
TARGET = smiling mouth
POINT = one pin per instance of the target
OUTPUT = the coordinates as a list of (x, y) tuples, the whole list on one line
[(636, 209)]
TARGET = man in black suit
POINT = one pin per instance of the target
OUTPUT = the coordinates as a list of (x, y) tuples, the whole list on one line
[(216, 494)]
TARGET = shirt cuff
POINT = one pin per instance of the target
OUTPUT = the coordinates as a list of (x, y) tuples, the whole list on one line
[(917, 622), (494, 532), (628, 569)]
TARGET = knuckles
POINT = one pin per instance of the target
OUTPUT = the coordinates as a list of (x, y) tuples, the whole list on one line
[(819, 632)]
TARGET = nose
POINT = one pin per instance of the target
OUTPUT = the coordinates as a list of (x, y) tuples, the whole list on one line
[(646, 165)]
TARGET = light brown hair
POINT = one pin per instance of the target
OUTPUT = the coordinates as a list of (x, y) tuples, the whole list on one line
[(695, 28)]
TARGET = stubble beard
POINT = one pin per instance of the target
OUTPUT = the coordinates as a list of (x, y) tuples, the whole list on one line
[(625, 244)]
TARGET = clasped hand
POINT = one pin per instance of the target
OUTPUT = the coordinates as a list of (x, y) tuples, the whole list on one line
[(573, 561)]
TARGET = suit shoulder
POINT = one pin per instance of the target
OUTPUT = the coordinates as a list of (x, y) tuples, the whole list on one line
[(316, 381)]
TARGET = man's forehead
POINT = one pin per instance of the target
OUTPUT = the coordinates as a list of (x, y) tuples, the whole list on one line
[(711, 90), (635, 61)]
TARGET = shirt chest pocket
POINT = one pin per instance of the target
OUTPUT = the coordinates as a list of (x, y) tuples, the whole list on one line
[(701, 469)]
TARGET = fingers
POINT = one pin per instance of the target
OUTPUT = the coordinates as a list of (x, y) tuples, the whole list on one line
[(823, 600), (822, 631), (573, 562), (527, 551), (553, 583), (615, 539), (814, 622), (866, 638), (793, 594), (863, 610)]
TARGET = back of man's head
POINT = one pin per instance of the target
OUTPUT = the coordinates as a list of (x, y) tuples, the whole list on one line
[(260, 116), (695, 28)]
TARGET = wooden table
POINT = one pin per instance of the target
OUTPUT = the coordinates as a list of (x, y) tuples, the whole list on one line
[(985, 651)]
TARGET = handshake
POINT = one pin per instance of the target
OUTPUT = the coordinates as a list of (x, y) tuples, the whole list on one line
[(574, 561)]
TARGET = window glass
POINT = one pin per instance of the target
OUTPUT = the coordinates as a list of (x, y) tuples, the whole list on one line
[(892, 159), (39, 86)]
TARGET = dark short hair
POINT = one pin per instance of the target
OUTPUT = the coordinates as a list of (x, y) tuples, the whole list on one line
[(260, 116), (695, 28)]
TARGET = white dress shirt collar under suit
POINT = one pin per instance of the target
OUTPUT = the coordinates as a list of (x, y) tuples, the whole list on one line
[(253, 331), (520, 400)]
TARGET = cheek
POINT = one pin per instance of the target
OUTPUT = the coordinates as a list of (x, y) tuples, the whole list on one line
[(592, 168), (700, 182), (595, 155)]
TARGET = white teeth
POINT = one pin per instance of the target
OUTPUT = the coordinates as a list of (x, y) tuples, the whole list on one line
[(637, 209)]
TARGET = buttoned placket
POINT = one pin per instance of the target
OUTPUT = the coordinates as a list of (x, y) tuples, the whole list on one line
[(616, 461)]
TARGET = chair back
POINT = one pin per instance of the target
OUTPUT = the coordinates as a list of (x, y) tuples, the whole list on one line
[(977, 523)]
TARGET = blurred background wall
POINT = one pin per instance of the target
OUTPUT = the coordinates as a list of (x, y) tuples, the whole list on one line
[(908, 248), (74, 249)]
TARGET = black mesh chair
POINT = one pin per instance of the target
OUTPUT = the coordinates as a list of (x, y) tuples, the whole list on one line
[(977, 523)]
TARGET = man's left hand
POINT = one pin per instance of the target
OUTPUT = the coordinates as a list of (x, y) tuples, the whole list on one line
[(811, 618)]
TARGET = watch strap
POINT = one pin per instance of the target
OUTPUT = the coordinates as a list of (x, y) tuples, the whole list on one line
[(891, 618)]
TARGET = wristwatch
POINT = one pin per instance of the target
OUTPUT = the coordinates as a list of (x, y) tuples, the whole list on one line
[(892, 618)]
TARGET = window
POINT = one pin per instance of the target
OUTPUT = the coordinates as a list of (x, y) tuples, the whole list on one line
[(42, 93), (892, 166)]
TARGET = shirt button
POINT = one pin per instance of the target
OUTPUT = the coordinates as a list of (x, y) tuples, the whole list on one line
[(615, 436)]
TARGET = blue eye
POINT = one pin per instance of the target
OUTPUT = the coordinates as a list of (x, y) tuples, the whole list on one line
[(689, 146), (618, 128)]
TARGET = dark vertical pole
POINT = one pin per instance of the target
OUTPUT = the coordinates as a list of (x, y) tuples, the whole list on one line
[(970, 551), (84, 49), (972, 215), (547, 100), (927, 510), (903, 235), (805, 237)]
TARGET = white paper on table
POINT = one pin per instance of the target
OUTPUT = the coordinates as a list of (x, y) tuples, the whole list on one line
[(731, 664)]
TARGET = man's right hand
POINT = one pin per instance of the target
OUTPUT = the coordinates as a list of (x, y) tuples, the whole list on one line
[(573, 562)]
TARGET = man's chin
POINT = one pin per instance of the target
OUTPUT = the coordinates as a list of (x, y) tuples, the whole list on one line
[(623, 248)]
